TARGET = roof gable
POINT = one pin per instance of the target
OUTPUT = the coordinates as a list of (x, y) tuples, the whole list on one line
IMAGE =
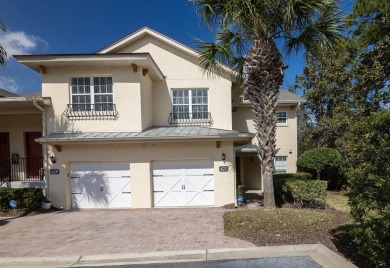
[(132, 37), (143, 32)]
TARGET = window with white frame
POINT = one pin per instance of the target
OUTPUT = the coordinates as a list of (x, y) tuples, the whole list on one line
[(92, 93), (281, 164), (281, 117), (190, 103)]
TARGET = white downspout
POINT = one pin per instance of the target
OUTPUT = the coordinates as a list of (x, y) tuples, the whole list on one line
[(235, 177), (36, 105)]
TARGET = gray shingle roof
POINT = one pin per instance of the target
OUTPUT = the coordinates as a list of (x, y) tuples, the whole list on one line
[(154, 133), (286, 96)]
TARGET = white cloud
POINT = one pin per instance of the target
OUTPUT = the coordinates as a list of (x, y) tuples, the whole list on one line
[(9, 84), (19, 42)]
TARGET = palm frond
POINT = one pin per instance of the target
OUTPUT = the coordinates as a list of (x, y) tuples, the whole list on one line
[(3, 53), (319, 33)]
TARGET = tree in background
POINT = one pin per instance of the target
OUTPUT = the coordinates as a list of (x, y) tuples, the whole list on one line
[(350, 82), (367, 148), (246, 41), (3, 53)]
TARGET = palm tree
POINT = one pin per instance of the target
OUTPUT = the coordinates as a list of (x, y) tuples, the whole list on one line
[(3, 53), (248, 35)]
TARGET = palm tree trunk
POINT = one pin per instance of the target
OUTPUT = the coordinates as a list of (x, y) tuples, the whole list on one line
[(264, 74)]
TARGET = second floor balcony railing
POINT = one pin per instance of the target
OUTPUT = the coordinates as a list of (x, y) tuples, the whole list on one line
[(197, 119), (103, 111)]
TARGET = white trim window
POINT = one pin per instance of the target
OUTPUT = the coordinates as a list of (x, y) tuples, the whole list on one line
[(92, 93), (280, 164), (190, 103), (281, 117)]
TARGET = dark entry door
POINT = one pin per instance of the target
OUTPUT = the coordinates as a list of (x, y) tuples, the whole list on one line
[(5, 170), (33, 155), (4, 145)]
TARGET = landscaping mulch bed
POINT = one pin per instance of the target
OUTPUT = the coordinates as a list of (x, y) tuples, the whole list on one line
[(15, 213), (292, 226)]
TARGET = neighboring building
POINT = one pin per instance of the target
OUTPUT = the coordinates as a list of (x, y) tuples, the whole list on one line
[(138, 124), (21, 157)]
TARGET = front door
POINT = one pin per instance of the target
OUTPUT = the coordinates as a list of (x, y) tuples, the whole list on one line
[(4, 145), (33, 155), (4, 154)]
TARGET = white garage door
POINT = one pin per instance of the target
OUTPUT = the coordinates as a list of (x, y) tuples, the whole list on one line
[(100, 185), (183, 183)]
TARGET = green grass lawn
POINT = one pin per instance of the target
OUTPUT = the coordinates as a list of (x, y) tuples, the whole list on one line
[(338, 201), (290, 226), (274, 221)]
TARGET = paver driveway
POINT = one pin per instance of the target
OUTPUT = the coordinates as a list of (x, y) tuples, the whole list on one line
[(92, 232)]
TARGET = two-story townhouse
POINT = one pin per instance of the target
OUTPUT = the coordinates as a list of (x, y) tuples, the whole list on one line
[(138, 124)]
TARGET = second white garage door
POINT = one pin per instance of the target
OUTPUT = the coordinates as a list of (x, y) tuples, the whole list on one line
[(183, 183), (100, 185)]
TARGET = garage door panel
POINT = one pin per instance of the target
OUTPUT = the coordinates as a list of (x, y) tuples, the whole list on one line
[(198, 183), (87, 201), (200, 199), (117, 200), (168, 199), (100, 185), (199, 167), (167, 183), (168, 168), (105, 169), (183, 183), (117, 185)]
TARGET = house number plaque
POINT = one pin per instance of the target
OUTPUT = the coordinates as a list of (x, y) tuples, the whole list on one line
[(223, 169), (54, 171)]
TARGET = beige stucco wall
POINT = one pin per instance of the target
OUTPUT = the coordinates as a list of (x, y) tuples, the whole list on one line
[(127, 97), (146, 101), (140, 158), (251, 176), (286, 134), (182, 71), (17, 125)]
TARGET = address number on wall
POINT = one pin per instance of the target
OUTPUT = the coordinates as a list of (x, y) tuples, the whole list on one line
[(54, 171), (223, 169)]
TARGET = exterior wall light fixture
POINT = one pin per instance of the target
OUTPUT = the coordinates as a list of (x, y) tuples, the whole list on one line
[(53, 159)]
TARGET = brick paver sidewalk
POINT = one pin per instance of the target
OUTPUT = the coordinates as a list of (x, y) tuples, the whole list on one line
[(92, 232)]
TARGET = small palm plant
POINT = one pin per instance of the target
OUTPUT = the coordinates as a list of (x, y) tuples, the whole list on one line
[(3, 53), (249, 33)]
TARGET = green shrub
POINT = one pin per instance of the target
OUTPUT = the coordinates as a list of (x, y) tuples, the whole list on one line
[(29, 198), (303, 176), (320, 159), (241, 191), (367, 147), (302, 192)]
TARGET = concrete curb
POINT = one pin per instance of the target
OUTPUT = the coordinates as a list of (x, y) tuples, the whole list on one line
[(318, 252)]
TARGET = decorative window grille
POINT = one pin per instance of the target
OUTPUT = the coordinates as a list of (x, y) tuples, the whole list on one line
[(91, 98)]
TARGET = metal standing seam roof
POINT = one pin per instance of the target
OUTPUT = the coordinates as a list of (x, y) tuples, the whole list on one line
[(155, 134)]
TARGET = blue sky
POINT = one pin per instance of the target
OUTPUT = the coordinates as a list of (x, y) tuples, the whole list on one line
[(85, 26)]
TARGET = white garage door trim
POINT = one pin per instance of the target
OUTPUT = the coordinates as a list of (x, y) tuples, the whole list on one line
[(100, 185), (183, 183)]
